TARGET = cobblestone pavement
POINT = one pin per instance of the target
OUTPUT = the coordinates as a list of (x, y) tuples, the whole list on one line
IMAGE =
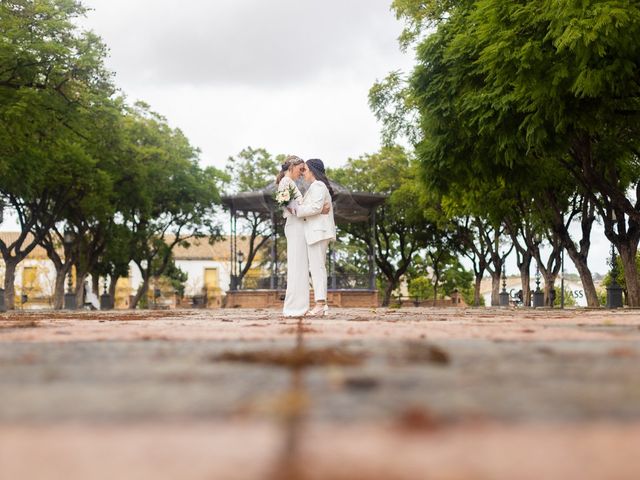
[(414, 393)]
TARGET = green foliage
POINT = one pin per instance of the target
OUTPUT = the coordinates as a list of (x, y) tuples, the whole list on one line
[(516, 85), (569, 299), (525, 104), (620, 277), (56, 119), (251, 169), (177, 278), (420, 288), (73, 155), (457, 278), (420, 16), (401, 221), (169, 197), (602, 296), (392, 104)]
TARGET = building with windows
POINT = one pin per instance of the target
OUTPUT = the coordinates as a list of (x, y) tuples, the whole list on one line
[(206, 265)]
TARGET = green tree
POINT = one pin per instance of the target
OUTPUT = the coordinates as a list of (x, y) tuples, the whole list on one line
[(52, 85), (171, 198), (401, 221), (420, 288), (250, 170), (456, 278), (509, 88)]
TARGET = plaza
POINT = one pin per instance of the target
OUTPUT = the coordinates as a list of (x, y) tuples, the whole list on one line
[(408, 393)]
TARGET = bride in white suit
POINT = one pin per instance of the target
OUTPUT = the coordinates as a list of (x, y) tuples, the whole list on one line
[(296, 300), (319, 230)]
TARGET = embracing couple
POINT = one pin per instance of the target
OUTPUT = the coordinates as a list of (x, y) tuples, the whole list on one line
[(309, 228)]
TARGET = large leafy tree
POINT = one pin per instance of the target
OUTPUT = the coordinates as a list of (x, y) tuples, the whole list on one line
[(250, 170), (52, 87), (402, 224), (511, 90), (171, 199)]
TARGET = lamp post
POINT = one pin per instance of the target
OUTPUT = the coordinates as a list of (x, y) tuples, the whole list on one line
[(105, 298), (504, 295), (144, 269), (157, 293), (562, 278), (240, 257), (538, 295), (69, 297), (614, 291)]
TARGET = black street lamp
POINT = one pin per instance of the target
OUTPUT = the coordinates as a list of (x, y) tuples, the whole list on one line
[(69, 297), (614, 291), (562, 278), (240, 257), (538, 295), (105, 298), (504, 295)]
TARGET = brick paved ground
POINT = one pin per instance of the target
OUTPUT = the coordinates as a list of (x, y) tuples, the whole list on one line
[(362, 394)]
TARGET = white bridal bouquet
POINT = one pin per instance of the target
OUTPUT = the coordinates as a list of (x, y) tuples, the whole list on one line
[(285, 196)]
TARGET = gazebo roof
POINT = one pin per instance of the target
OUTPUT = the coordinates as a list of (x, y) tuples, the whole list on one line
[(347, 206)]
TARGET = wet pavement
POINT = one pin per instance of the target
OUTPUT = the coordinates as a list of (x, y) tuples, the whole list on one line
[(414, 393)]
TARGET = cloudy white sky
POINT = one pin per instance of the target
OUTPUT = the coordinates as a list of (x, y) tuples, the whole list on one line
[(291, 76)]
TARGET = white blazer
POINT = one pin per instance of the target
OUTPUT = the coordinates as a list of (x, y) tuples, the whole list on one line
[(317, 226)]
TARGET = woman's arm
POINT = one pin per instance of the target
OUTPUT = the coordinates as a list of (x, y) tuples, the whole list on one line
[(313, 203)]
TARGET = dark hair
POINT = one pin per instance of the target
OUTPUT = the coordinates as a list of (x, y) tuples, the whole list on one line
[(290, 161), (317, 168)]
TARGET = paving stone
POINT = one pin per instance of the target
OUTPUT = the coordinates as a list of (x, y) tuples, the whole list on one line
[(379, 385)]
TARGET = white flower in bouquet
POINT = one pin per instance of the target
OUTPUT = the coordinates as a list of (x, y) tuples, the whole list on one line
[(285, 195)]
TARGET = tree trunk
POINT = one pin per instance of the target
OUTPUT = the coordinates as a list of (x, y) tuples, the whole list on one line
[(549, 286), (95, 284), (144, 288), (58, 292), (9, 282), (525, 278), (580, 262), (80, 292), (112, 287), (436, 282), (388, 290), (495, 287), (628, 254), (476, 291)]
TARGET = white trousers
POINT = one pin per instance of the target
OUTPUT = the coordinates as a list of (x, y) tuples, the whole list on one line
[(318, 268), (296, 300)]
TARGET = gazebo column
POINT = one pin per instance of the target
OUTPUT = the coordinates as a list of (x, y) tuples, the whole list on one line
[(233, 284), (334, 282), (372, 252)]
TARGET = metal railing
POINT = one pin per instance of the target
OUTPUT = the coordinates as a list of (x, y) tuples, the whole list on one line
[(337, 282)]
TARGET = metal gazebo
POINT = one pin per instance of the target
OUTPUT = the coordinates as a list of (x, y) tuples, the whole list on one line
[(348, 207)]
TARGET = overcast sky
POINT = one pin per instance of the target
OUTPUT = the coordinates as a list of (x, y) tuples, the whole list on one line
[(291, 76)]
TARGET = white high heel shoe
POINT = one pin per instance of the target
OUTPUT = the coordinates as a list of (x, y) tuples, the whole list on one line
[(320, 310)]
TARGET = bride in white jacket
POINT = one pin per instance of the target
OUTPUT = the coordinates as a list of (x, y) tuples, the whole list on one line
[(296, 300)]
